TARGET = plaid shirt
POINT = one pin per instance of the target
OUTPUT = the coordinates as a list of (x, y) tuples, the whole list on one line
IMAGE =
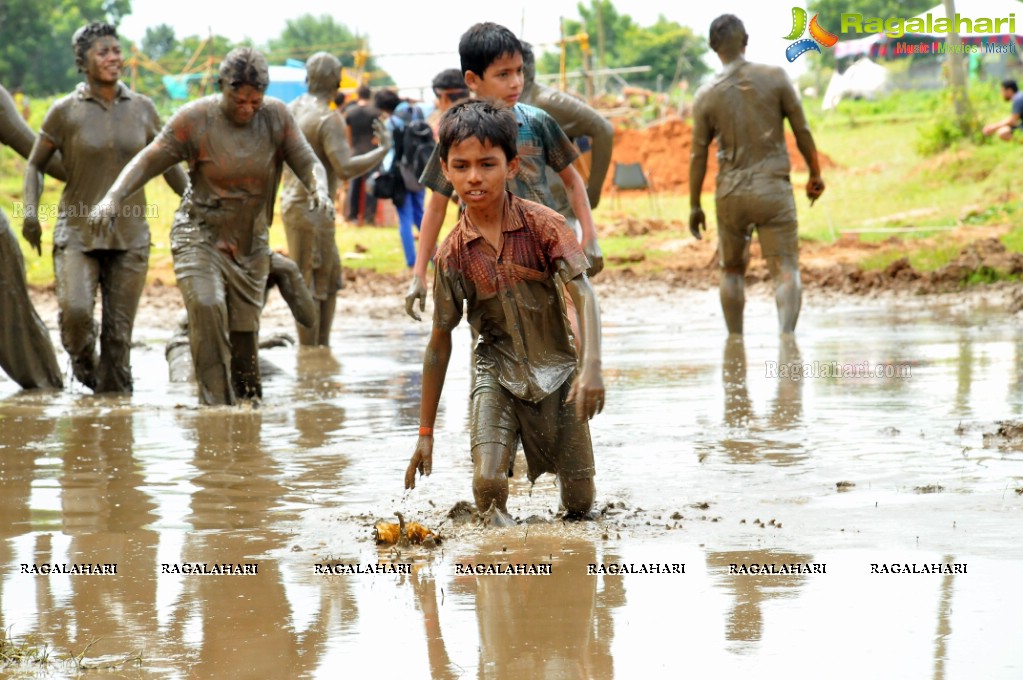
[(512, 297), (541, 143)]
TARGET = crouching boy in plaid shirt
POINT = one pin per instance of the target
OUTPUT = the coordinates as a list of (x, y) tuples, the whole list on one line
[(502, 261)]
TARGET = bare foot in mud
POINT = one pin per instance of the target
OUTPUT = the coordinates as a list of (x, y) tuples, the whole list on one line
[(496, 518), (582, 516)]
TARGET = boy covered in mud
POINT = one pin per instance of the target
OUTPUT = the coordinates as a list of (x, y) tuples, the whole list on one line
[(501, 261)]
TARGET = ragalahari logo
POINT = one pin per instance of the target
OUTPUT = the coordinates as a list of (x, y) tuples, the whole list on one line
[(818, 36)]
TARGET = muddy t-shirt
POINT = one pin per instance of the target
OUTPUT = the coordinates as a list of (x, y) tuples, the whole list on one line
[(360, 123), (512, 298), (541, 144), (1017, 108), (235, 169), (744, 108), (96, 140)]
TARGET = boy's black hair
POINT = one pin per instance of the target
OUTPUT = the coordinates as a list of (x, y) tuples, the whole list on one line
[(364, 92), (386, 100), (486, 121), (85, 36), (485, 43), (450, 82), (1010, 84)]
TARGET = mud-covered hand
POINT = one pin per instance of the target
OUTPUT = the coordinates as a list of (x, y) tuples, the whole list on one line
[(416, 291), (588, 392), (814, 188), (382, 134), (33, 233), (321, 201), (103, 214), (697, 221), (592, 250), (422, 461)]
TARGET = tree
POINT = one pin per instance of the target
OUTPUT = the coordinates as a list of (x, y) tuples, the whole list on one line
[(158, 41), (672, 50), (308, 34), (35, 40)]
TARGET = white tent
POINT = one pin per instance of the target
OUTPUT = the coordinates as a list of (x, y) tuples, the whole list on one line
[(863, 79)]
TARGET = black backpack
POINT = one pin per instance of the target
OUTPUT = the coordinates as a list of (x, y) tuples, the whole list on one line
[(414, 146)]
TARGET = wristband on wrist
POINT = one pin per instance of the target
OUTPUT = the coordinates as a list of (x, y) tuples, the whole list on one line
[(425, 431)]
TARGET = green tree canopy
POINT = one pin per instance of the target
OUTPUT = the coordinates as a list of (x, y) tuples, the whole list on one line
[(616, 40), (308, 34), (158, 41), (35, 40)]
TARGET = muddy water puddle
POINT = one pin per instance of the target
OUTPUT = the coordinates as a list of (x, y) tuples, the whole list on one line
[(750, 521)]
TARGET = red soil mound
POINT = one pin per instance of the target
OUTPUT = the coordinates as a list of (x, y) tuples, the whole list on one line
[(663, 150)]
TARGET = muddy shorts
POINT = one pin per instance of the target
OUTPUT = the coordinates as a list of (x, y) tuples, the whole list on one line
[(771, 212), (553, 437)]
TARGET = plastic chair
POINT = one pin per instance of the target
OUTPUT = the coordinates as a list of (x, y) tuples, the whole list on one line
[(630, 177)]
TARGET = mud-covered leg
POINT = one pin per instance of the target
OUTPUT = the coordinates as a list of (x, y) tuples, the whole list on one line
[(788, 290), (577, 496), (327, 308), (122, 279), (733, 297), (77, 276), (245, 365), (490, 482), (208, 336)]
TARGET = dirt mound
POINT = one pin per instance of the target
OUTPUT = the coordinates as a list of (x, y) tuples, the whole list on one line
[(627, 225), (663, 150)]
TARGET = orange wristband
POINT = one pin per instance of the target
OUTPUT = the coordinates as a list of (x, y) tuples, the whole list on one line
[(425, 431)]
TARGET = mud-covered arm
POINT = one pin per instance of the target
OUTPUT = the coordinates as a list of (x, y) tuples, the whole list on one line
[(576, 118), (579, 201), (175, 176), (39, 157), (334, 134), (703, 133), (449, 298), (303, 161), (15, 133), (588, 390), (793, 110), (155, 159)]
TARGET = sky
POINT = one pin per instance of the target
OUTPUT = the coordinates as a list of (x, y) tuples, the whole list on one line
[(413, 41)]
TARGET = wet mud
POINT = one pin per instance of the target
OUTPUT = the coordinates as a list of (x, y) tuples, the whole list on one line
[(721, 488)]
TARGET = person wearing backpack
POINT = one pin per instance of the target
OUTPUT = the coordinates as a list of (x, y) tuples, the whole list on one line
[(413, 145)]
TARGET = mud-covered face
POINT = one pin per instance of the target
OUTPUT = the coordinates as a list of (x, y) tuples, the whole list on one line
[(478, 172), (240, 104), (103, 61)]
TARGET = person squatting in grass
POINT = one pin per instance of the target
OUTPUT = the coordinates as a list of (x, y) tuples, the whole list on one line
[(97, 129), (236, 144), (502, 261)]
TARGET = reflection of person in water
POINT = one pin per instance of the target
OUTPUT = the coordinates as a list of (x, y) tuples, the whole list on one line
[(97, 128), (746, 622), (311, 232), (236, 144), (26, 353), (248, 628), (571, 639)]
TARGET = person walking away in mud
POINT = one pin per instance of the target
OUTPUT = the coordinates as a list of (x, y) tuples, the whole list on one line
[(744, 107), (97, 129), (491, 60), (501, 261), (578, 120), (236, 144), (26, 353), (1006, 127), (361, 117), (310, 231)]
